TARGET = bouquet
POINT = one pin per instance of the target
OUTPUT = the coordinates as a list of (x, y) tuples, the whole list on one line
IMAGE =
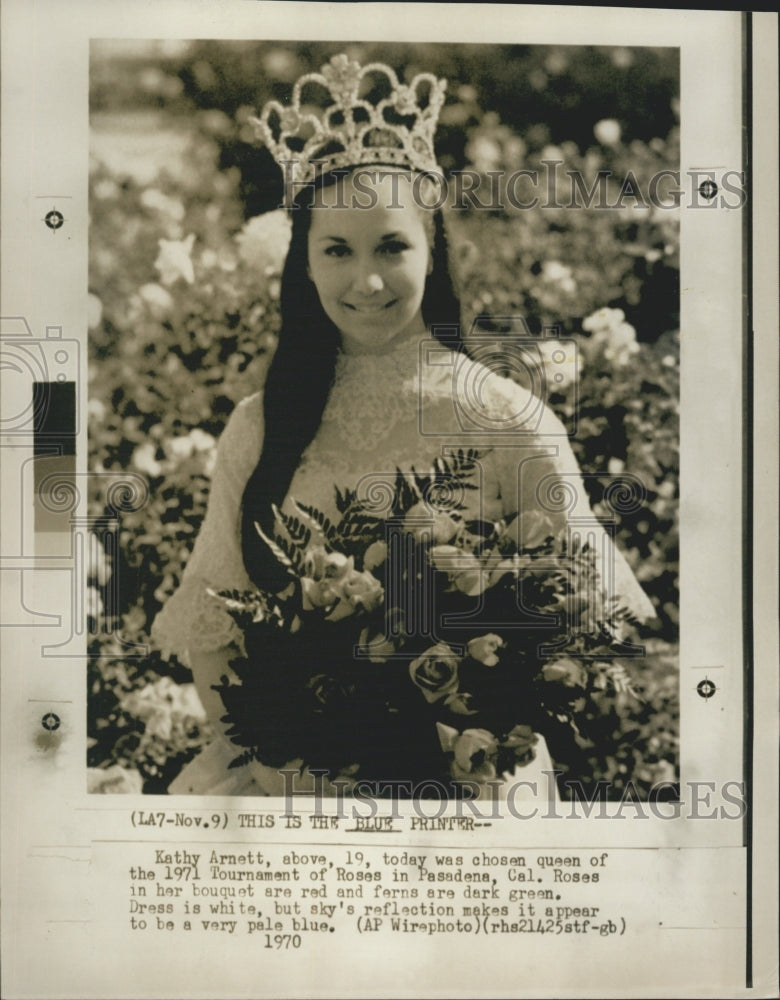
[(422, 644)]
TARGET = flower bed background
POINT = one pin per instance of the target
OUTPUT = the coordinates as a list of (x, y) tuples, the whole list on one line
[(180, 330)]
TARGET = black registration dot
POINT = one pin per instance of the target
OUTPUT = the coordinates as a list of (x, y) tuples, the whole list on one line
[(50, 722), (708, 189), (706, 688), (54, 219)]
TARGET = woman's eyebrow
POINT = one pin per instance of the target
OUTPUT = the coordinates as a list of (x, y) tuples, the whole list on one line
[(340, 239)]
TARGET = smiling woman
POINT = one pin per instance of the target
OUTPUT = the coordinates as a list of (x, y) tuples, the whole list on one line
[(381, 471)]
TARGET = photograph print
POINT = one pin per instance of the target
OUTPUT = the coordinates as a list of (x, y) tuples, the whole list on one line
[(384, 339)]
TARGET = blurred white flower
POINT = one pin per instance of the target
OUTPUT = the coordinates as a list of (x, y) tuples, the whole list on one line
[(113, 780), (556, 62), (106, 258), (216, 122), (157, 703), (607, 132), (619, 343), (603, 319), (610, 331), (197, 442), (622, 57), (154, 81), (145, 461), (94, 604), (210, 462), (484, 153), (174, 260), (156, 299), (94, 311), (280, 64), (201, 441), (98, 565), (375, 555), (560, 362), (105, 189), (664, 771), (157, 201), (264, 241), (179, 447), (552, 153), (553, 270), (96, 410), (149, 704), (559, 274), (514, 151)]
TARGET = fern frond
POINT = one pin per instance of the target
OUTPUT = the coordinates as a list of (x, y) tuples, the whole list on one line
[(318, 522), (280, 551), (345, 500), (405, 494), (244, 758)]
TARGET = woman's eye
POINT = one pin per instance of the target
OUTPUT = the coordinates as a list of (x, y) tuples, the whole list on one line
[(393, 247), (336, 250)]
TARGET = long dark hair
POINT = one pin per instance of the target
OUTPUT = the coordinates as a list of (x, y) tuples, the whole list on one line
[(301, 373)]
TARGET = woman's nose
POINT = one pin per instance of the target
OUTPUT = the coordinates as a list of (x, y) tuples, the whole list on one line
[(368, 282)]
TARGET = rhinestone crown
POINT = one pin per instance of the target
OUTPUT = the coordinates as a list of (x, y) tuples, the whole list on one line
[(347, 130)]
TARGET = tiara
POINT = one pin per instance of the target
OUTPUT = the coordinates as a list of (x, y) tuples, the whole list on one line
[(350, 130)]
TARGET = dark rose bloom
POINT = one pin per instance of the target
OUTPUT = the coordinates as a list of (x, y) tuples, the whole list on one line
[(435, 672)]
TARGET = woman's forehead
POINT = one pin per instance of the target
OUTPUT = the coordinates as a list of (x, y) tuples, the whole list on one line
[(377, 222), (371, 188)]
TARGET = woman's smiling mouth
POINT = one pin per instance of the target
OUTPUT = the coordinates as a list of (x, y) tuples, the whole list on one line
[(369, 307)]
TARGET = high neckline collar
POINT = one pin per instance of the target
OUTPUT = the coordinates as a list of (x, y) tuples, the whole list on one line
[(402, 355), (408, 344)]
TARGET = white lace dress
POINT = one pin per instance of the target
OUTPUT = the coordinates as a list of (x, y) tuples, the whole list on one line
[(401, 410)]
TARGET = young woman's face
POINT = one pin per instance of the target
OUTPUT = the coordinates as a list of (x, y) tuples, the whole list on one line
[(370, 264)]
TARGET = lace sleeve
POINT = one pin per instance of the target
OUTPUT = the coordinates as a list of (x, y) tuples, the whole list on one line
[(191, 618), (538, 475)]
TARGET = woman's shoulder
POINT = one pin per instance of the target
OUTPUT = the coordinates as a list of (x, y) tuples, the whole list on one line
[(242, 436), (247, 415), (249, 407), (483, 397)]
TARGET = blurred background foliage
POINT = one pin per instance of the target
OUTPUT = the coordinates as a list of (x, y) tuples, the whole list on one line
[(183, 329)]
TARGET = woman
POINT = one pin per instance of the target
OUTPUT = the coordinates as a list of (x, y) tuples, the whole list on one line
[(370, 375)]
